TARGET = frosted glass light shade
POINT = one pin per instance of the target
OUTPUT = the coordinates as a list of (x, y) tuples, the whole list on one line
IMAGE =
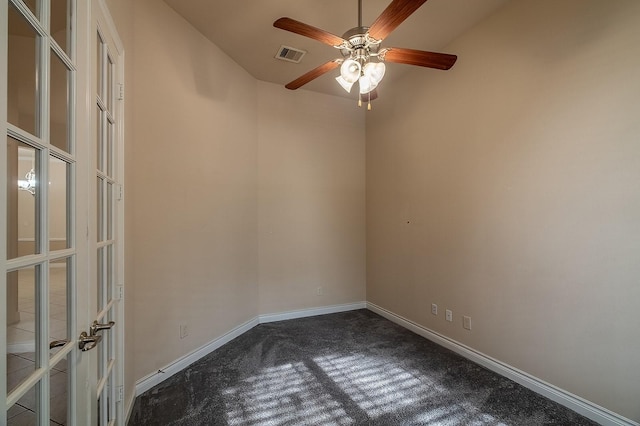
[(367, 84), (350, 71), (344, 83), (375, 71)]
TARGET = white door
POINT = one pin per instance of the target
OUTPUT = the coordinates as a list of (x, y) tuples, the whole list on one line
[(56, 220), (105, 229)]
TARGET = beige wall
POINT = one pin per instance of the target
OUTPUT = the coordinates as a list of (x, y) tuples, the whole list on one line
[(311, 199), (507, 189), (210, 154), (218, 154), (193, 182)]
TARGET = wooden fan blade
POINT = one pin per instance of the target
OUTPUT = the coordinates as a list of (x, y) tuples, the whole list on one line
[(313, 74), (392, 16), (301, 28), (441, 61)]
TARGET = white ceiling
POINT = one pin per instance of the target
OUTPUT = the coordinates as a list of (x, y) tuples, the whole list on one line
[(244, 30)]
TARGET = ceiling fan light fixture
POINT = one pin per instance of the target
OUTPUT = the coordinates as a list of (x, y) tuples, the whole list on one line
[(363, 58), (344, 83), (350, 71)]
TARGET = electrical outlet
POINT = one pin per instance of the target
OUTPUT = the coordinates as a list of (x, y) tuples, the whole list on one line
[(449, 315), (466, 322), (319, 291), (184, 330), (434, 309)]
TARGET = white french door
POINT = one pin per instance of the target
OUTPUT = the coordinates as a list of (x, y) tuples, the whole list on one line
[(106, 230), (61, 257)]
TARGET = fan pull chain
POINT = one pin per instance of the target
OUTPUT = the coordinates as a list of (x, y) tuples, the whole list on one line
[(368, 102)]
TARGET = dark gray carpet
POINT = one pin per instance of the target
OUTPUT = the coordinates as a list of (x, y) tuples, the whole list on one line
[(352, 368)]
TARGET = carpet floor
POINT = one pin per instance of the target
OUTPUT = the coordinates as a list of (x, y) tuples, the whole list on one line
[(351, 368)]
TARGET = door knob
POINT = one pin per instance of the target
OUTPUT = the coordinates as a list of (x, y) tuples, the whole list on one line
[(95, 327), (87, 342)]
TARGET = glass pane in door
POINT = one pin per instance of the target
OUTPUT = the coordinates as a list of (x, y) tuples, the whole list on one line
[(60, 23), (22, 330), (100, 209), (22, 77), (58, 203), (109, 211), (109, 284), (100, 279), (59, 291), (23, 412), (22, 199), (109, 143), (99, 140), (59, 98), (31, 4), (109, 83), (99, 66), (59, 393)]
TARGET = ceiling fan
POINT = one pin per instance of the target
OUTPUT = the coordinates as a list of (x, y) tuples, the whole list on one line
[(362, 56)]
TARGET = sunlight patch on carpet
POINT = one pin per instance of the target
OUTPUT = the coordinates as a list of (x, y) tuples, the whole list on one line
[(285, 394), (377, 386)]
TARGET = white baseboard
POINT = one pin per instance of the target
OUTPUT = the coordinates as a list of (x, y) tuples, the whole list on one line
[(586, 408), (169, 370), (311, 312)]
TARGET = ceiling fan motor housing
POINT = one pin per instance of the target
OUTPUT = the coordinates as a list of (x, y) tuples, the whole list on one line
[(359, 46)]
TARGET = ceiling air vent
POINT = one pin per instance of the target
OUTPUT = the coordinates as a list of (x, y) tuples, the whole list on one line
[(290, 54)]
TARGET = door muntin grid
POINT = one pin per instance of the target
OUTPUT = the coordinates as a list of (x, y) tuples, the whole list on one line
[(40, 114)]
